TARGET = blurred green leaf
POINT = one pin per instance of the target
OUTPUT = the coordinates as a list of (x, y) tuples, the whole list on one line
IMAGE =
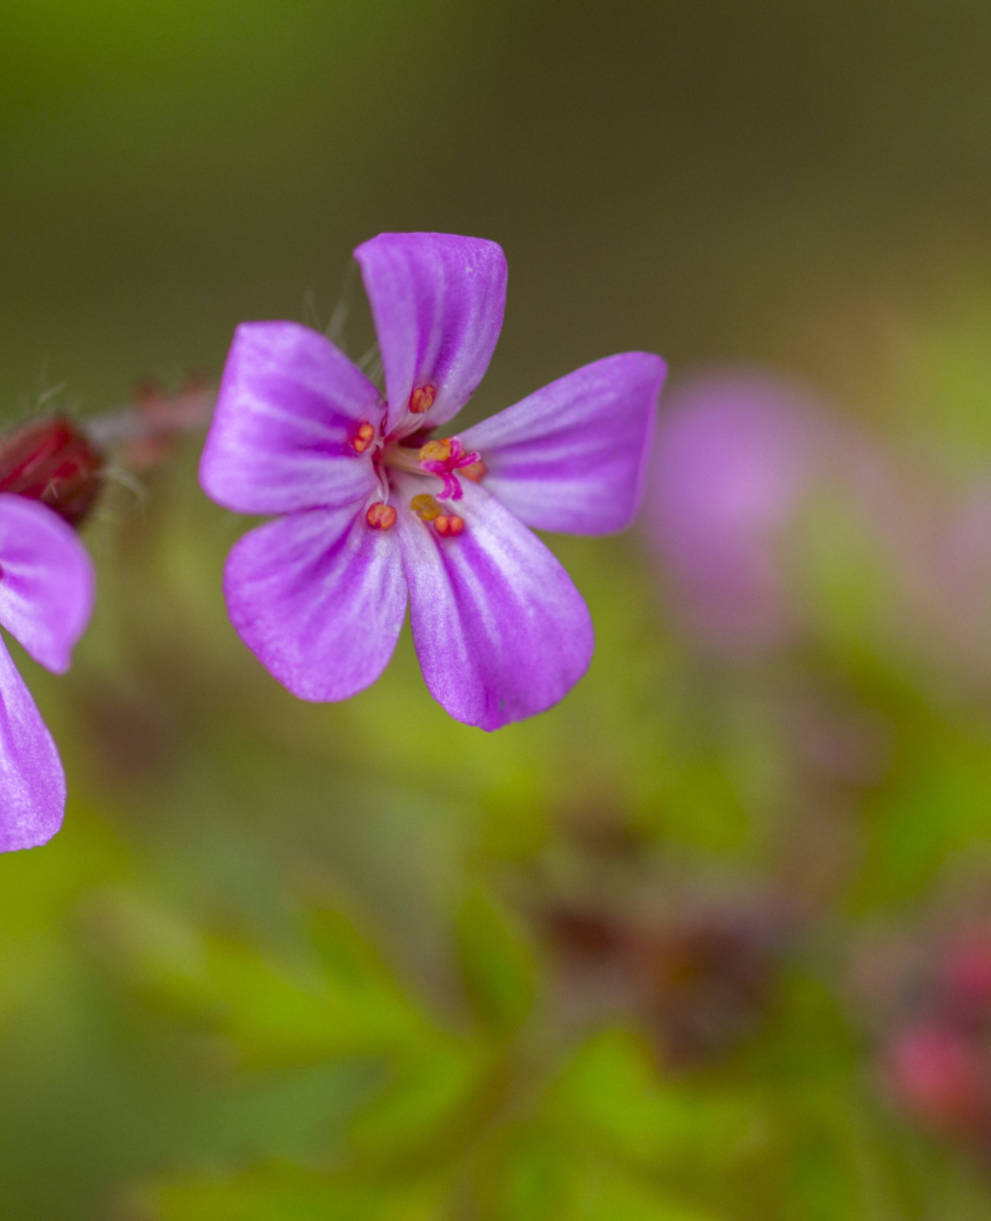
[(267, 1009), (606, 1193), (533, 1177), (610, 1098), (40, 892), (546, 1176), (424, 1105), (931, 816), (498, 961), (284, 1193)]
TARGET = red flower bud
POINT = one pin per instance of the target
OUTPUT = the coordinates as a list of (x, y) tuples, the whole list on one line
[(53, 461)]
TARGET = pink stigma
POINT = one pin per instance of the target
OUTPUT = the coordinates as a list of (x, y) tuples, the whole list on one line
[(443, 458)]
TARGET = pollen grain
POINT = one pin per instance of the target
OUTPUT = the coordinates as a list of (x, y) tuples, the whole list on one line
[(435, 451), (425, 507)]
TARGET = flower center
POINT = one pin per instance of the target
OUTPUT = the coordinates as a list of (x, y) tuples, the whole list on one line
[(445, 459)]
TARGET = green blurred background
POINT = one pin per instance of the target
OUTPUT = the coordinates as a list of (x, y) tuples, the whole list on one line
[(676, 949)]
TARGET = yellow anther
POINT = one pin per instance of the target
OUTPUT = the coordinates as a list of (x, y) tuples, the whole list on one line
[(474, 471), (435, 451), (425, 507)]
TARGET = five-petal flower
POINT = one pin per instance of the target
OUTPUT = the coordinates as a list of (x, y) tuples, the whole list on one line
[(372, 502), (46, 595)]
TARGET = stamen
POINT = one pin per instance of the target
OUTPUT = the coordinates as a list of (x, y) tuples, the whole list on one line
[(435, 451), (475, 471), (381, 516), (422, 399), (425, 507), (449, 525), (363, 437)]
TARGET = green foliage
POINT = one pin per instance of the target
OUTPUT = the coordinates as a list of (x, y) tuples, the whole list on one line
[(325, 978), (291, 1194), (610, 1097), (497, 961)]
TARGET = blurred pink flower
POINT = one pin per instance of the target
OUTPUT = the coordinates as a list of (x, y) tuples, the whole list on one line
[(927, 992), (939, 1075), (735, 454), (740, 461)]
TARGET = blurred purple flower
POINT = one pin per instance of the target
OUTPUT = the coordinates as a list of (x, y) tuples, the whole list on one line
[(738, 459), (734, 456), (46, 595), (374, 505)]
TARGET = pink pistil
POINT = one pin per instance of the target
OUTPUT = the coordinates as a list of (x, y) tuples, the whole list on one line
[(444, 468)]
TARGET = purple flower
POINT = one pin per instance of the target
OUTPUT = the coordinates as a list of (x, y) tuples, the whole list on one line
[(374, 504), (46, 595), (735, 457)]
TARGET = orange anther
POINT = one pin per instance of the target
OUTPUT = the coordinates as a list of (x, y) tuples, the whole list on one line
[(474, 471), (435, 451), (425, 507), (422, 399), (449, 525), (363, 437), (381, 516)]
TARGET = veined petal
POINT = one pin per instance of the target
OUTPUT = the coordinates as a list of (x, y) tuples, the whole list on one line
[(500, 630), (32, 783), (437, 300), (572, 456), (46, 581), (286, 416), (319, 598)]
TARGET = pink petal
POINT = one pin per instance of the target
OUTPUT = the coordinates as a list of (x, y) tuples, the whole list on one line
[(319, 598), (288, 409), (500, 630), (32, 783), (438, 302), (572, 455), (46, 581)]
